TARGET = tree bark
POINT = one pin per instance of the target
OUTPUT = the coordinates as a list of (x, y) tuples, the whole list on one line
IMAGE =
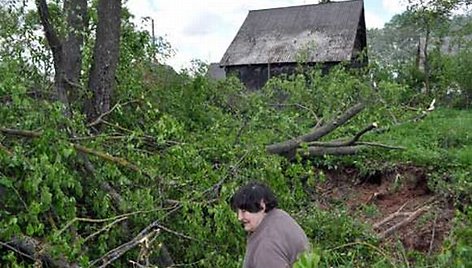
[(77, 20), (321, 151), (426, 60), (66, 53), (105, 58), (55, 44)]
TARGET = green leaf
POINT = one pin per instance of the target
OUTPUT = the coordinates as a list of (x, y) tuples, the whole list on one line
[(30, 229), (6, 182)]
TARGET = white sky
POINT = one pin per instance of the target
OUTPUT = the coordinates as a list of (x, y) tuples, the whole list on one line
[(204, 29)]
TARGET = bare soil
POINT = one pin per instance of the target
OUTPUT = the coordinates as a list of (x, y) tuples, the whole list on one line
[(397, 204)]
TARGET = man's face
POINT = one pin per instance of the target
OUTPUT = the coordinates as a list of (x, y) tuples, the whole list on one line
[(251, 220)]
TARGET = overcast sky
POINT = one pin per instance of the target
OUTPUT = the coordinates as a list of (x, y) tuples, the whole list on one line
[(204, 29)]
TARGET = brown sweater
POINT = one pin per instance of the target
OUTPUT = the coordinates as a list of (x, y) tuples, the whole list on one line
[(276, 243)]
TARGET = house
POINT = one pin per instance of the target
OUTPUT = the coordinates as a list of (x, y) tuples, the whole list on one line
[(215, 71), (274, 41)]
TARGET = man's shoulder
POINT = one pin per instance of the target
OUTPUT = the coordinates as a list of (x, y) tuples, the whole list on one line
[(283, 226), (277, 225), (280, 215)]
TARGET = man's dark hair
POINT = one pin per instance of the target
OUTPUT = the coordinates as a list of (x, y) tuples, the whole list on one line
[(249, 198)]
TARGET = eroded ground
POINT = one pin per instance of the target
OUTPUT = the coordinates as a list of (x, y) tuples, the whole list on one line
[(397, 204)]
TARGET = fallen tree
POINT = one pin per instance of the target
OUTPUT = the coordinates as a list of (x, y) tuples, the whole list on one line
[(308, 145)]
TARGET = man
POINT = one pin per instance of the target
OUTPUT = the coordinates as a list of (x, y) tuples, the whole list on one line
[(275, 239)]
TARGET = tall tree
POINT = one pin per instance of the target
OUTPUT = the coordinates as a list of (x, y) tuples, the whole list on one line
[(427, 13), (67, 53), (395, 43)]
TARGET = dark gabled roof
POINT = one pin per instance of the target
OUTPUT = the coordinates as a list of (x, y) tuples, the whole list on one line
[(281, 35)]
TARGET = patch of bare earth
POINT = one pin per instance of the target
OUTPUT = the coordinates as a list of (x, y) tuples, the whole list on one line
[(397, 204)]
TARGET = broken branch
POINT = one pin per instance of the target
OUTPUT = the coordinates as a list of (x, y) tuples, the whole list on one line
[(122, 216), (117, 160), (362, 132), (350, 142), (22, 133), (100, 117), (104, 228), (321, 151), (142, 237), (16, 250), (385, 146), (433, 233), (34, 250), (392, 216), (317, 133), (115, 253)]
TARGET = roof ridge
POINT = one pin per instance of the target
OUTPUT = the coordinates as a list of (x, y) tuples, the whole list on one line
[(304, 5)]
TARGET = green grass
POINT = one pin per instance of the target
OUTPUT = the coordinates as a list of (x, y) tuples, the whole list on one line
[(443, 138), (442, 144)]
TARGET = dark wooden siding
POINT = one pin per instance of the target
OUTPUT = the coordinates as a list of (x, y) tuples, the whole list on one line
[(256, 76)]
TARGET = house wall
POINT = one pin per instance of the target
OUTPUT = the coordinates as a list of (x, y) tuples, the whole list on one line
[(255, 76), (359, 52)]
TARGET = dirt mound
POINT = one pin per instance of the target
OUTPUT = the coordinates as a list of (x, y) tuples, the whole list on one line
[(397, 204)]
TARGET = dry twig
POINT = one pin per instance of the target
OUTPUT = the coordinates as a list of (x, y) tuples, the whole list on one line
[(100, 118), (392, 216), (433, 233), (412, 216)]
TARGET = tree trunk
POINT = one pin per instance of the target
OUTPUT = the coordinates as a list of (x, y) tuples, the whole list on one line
[(55, 44), (105, 58), (321, 151), (314, 148), (289, 147), (426, 61), (77, 20), (66, 53)]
